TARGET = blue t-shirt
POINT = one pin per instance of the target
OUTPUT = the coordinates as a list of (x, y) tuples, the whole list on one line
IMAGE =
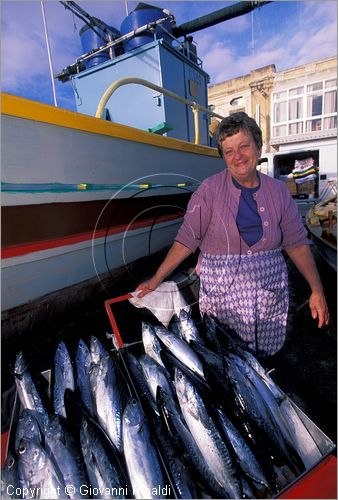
[(248, 220)]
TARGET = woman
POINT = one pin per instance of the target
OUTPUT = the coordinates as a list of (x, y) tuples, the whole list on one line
[(241, 220)]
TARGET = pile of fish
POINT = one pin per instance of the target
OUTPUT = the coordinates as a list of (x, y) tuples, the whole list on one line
[(186, 412)]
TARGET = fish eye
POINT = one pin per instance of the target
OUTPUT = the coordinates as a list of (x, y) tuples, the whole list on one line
[(22, 449), (11, 463)]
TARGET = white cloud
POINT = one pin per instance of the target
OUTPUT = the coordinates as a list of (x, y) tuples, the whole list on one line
[(227, 49)]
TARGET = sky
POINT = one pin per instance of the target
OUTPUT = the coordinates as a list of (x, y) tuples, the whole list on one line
[(286, 34)]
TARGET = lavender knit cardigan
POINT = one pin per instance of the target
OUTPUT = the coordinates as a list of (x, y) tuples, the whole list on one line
[(210, 219)]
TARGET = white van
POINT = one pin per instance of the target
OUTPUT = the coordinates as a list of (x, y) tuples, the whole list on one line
[(283, 165)]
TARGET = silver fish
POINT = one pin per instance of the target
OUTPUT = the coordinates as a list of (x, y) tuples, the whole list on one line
[(187, 327), (83, 362), (184, 441), (27, 427), (180, 349), (37, 472), (151, 343), (27, 390), (301, 437), (63, 379), (207, 436), (246, 458), (143, 463), (274, 410), (10, 486), (102, 471), (106, 392), (155, 375), (62, 449), (258, 412)]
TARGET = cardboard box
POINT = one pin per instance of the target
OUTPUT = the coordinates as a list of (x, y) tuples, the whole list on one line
[(306, 188), (292, 186)]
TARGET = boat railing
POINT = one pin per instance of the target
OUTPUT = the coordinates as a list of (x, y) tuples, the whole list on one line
[(195, 107)]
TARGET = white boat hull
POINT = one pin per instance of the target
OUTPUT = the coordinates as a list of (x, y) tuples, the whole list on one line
[(82, 196)]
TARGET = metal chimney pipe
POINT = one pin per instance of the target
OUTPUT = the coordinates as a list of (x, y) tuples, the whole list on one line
[(218, 16)]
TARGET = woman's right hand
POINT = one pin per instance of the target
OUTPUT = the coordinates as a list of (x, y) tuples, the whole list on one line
[(147, 286)]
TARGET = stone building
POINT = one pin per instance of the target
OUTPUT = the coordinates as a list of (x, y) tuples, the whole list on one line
[(297, 105)]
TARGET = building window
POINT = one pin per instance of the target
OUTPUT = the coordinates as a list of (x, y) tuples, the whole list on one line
[(296, 128), (295, 109), (280, 131), (280, 110), (330, 102), (330, 122), (296, 91), (314, 105), (303, 109)]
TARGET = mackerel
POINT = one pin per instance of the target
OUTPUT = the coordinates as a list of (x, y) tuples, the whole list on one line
[(63, 378), (142, 459), (207, 436), (181, 350)]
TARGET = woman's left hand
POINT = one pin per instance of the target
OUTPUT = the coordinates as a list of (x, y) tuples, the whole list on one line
[(319, 308)]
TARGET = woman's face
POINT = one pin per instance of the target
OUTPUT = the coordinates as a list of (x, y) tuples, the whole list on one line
[(241, 155)]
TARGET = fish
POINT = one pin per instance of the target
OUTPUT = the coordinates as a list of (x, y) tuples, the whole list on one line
[(63, 450), (106, 392), (181, 350), (245, 456), (37, 472), (255, 408), (188, 328), (207, 436), (141, 456), (174, 326), (106, 477), (139, 384), (10, 485), (209, 357), (182, 483), (273, 409), (186, 446), (83, 362), (63, 378), (155, 375), (29, 394), (151, 343), (300, 436), (27, 427)]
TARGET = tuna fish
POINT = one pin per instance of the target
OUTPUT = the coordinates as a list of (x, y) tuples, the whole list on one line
[(181, 350), (151, 343), (29, 394), (104, 472), (155, 375), (63, 451), (207, 437), (106, 393), (37, 473), (83, 361), (188, 328), (63, 378), (10, 486), (142, 459)]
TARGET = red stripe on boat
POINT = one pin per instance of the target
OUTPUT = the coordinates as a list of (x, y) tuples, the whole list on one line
[(17, 250)]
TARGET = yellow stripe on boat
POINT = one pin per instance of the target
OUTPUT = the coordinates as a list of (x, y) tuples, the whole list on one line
[(25, 108)]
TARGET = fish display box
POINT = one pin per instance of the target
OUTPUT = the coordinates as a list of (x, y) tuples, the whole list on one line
[(182, 476), (319, 480)]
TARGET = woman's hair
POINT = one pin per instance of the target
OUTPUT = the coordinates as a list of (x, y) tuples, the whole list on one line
[(233, 124)]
